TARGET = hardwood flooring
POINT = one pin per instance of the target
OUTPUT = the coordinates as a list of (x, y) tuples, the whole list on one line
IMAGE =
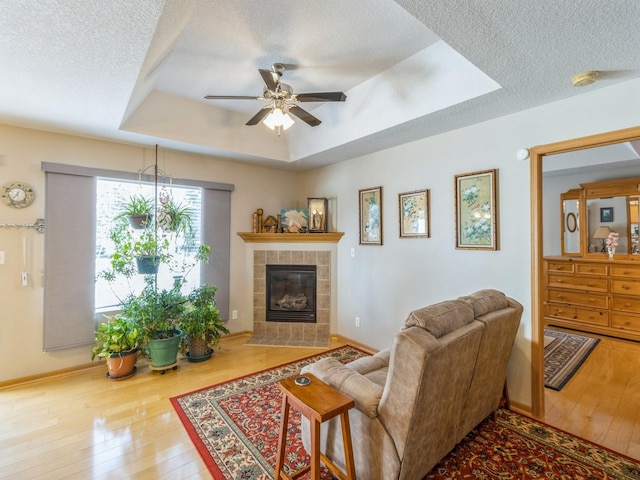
[(601, 403), (83, 426)]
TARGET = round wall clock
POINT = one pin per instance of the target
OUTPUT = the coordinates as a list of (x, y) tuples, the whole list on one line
[(17, 194)]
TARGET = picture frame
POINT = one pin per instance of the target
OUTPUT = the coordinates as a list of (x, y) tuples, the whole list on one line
[(370, 208), (476, 210), (294, 220), (606, 214), (414, 214), (317, 211)]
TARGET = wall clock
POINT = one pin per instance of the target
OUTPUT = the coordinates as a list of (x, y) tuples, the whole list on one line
[(17, 194)]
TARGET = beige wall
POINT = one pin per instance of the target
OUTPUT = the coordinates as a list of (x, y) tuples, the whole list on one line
[(381, 285), (21, 153)]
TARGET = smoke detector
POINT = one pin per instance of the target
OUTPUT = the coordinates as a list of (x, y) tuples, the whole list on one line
[(583, 79)]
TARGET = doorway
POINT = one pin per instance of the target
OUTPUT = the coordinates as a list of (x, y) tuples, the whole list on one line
[(537, 298)]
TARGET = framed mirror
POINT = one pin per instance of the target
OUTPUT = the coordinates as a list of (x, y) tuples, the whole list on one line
[(570, 226)]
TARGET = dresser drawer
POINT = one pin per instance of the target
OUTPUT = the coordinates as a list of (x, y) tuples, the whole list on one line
[(626, 271), (626, 304), (594, 317), (578, 298), (625, 287), (625, 322), (591, 269), (578, 283), (564, 267)]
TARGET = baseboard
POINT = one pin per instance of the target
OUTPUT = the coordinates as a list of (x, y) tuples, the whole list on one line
[(520, 408), (65, 372), (359, 345)]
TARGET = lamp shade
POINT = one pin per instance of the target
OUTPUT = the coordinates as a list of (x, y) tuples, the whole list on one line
[(278, 119), (602, 232)]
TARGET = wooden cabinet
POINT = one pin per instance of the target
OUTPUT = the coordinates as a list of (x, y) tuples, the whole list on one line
[(593, 295)]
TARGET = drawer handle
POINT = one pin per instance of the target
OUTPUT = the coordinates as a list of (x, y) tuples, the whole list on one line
[(627, 304), (591, 270), (560, 297), (560, 280), (591, 300), (590, 284), (627, 272), (626, 287), (559, 311)]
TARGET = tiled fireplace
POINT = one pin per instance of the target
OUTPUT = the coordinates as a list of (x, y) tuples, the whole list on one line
[(292, 332)]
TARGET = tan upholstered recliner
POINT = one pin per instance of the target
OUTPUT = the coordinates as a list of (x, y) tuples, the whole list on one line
[(417, 399)]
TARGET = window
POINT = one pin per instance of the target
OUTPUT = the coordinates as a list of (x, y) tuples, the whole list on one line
[(110, 196), (69, 318)]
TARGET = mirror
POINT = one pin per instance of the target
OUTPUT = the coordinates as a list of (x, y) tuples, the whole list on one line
[(612, 206), (570, 215)]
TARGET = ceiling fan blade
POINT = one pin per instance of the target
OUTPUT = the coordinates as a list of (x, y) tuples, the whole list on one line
[(269, 81), (321, 97), (230, 97), (257, 118), (304, 116)]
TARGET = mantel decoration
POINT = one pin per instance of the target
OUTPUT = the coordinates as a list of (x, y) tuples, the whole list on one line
[(371, 216), (476, 210), (317, 215), (414, 214)]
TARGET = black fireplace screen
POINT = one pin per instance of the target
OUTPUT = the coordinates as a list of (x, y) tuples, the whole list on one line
[(291, 293)]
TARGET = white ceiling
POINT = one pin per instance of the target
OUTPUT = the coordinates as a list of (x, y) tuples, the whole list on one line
[(137, 70)]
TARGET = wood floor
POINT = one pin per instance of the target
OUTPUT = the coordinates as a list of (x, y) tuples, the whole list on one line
[(86, 427), (601, 402)]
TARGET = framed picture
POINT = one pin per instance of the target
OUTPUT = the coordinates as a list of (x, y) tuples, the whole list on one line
[(476, 210), (606, 214), (317, 215), (294, 220), (414, 214), (371, 216)]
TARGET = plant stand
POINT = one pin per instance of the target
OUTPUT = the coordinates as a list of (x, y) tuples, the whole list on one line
[(164, 368)]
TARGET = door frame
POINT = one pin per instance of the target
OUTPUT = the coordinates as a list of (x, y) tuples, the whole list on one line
[(537, 286)]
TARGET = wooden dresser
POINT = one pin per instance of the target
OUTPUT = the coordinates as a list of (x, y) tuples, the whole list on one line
[(593, 295)]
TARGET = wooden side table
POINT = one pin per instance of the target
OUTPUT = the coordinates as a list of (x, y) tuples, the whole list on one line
[(318, 402)]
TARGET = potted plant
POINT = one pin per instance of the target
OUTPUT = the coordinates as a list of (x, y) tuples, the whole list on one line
[(117, 341), (137, 211), (156, 312), (201, 323), (136, 252), (175, 218)]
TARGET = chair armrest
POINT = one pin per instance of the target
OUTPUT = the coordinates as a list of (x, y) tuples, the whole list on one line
[(363, 391)]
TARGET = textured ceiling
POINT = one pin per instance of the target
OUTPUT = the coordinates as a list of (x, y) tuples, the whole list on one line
[(137, 70)]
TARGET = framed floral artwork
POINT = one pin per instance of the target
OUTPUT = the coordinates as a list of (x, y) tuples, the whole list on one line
[(476, 210), (371, 216), (414, 214)]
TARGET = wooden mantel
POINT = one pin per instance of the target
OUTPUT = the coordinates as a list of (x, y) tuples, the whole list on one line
[(330, 237)]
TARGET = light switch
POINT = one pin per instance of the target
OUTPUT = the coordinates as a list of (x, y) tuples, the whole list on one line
[(1, 258)]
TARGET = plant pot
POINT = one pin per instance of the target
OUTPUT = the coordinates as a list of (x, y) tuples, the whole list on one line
[(147, 265), (139, 222), (164, 351), (121, 365), (198, 349)]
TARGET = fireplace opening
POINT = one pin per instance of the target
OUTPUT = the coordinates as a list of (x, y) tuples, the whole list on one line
[(291, 293)]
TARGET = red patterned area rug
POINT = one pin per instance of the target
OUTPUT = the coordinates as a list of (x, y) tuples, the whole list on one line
[(234, 426)]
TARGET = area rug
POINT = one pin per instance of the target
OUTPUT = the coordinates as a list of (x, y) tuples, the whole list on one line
[(234, 426), (564, 353)]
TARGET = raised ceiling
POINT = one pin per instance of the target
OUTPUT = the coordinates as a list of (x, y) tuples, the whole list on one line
[(137, 70)]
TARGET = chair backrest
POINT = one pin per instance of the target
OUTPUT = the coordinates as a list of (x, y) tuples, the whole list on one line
[(430, 371), (501, 317)]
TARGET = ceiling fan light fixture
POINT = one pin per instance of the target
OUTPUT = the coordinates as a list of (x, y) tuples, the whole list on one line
[(277, 118)]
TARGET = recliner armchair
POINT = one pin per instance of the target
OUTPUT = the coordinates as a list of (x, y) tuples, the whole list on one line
[(417, 399)]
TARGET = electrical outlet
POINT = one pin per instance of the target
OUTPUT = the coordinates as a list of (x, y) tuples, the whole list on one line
[(358, 322), (234, 314)]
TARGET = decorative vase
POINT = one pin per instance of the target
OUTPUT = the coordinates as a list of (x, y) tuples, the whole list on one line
[(611, 251)]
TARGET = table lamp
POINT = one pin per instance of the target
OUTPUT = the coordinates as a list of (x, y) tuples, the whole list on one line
[(602, 232)]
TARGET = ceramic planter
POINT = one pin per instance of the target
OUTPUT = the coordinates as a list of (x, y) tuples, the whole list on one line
[(121, 365), (164, 351)]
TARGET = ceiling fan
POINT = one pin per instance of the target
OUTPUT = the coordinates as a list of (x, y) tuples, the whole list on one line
[(282, 101)]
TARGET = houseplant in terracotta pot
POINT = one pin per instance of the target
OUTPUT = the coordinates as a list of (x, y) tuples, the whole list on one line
[(117, 341), (201, 323)]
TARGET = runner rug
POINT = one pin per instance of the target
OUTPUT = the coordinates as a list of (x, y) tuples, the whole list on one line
[(564, 354), (234, 426)]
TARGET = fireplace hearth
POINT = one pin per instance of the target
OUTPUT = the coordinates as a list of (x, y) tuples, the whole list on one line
[(291, 293)]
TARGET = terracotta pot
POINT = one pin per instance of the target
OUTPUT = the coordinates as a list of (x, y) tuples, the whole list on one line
[(122, 365)]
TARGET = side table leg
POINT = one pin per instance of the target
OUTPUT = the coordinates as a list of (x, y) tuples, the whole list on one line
[(315, 449), (282, 441), (348, 448)]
